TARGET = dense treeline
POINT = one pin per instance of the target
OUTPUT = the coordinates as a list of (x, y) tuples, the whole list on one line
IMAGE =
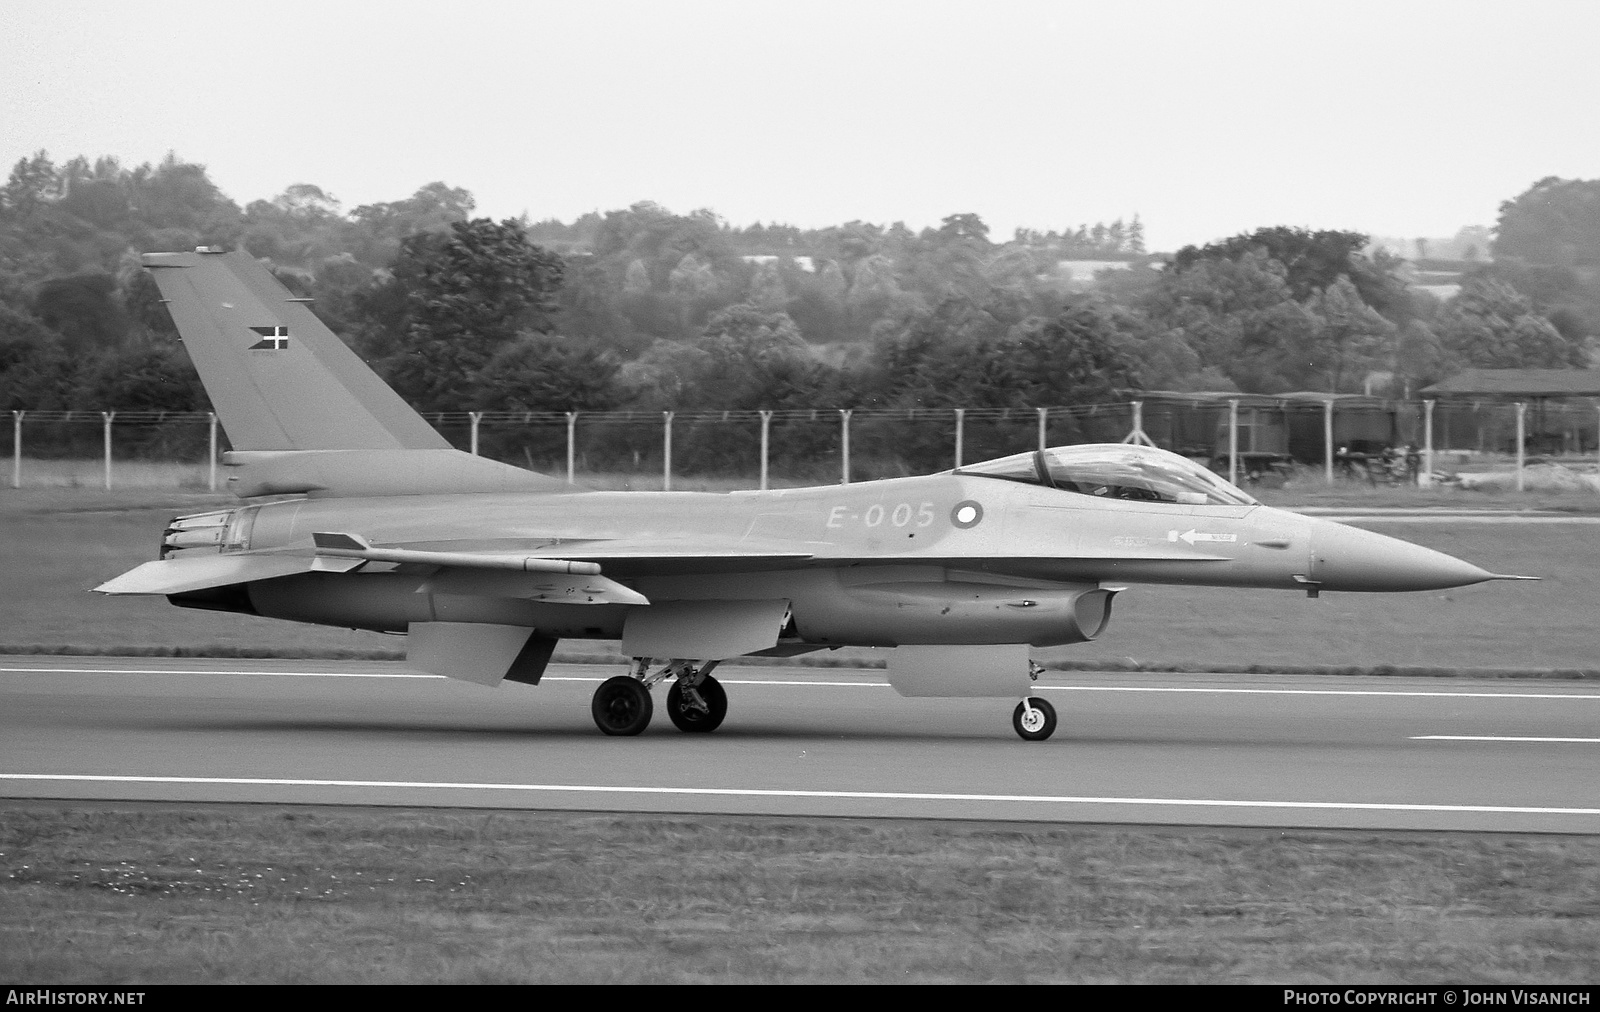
[(644, 308)]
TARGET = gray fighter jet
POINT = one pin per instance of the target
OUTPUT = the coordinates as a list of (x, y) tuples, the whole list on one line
[(485, 566)]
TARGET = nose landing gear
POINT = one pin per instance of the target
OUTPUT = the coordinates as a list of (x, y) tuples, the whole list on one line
[(696, 702), (1034, 719)]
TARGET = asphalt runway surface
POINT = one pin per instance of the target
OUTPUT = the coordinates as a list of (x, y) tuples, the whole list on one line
[(1239, 750)]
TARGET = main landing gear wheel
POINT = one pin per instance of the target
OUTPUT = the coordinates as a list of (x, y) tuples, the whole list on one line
[(689, 717), (1034, 719), (622, 706)]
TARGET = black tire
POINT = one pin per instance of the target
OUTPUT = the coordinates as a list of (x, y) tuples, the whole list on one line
[(1044, 728), (622, 706), (687, 718)]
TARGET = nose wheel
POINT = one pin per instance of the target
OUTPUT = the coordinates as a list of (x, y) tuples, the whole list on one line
[(1034, 719)]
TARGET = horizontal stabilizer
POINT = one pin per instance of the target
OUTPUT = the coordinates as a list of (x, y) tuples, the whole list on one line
[(202, 572)]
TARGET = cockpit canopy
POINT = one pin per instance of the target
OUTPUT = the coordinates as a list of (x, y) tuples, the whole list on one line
[(1115, 471)]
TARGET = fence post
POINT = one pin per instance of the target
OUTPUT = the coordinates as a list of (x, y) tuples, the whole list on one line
[(766, 434), (107, 416), (476, 416), (961, 424), (1044, 415), (1233, 440), (844, 446), (16, 448), (1522, 407), (1427, 445), (572, 447), (1327, 441), (211, 441), (1137, 433), (666, 452)]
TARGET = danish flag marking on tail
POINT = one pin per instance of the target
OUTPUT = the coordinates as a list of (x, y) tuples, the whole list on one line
[(272, 338)]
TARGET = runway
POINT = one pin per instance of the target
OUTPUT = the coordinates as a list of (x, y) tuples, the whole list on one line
[(1170, 749)]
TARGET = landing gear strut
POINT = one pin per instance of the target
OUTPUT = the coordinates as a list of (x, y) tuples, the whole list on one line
[(696, 701)]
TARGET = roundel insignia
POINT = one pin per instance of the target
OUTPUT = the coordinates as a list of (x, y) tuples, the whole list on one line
[(966, 514)]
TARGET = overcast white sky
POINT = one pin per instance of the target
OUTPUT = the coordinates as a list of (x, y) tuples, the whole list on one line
[(1401, 117)]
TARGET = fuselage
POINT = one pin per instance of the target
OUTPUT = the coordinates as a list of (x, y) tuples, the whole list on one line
[(954, 557)]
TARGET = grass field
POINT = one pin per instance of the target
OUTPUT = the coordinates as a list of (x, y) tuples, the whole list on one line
[(61, 542), (166, 895)]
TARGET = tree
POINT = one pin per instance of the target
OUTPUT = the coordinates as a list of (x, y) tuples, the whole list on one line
[(376, 230), (964, 228), (875, 294), (767, 290), (1489, 325), (1420, 358), (36, 373), (32, 184), (1311, 262), (1239, 316), (542, 372), (818, 305), (1547, 246), (466, 294), (83, 309), (1555, 221), (145, 375), (1078, 357), (1349, 337)]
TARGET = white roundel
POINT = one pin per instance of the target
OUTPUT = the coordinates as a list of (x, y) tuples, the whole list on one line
[(966, 514)]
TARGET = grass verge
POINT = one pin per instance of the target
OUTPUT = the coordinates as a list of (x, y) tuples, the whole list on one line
[(161, 894)]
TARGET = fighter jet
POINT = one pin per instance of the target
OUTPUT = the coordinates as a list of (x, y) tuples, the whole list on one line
[(485, 567)]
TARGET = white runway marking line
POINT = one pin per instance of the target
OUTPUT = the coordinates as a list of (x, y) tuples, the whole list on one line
[(1369, 518), (204, 671), (1491, 737), (837, 685), (755, 792), (1327, 692)]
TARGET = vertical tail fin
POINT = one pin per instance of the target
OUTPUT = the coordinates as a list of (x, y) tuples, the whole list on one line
[(304, 413), (278, 378)]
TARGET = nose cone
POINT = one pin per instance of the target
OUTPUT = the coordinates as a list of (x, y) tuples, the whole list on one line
[(1349, 558)]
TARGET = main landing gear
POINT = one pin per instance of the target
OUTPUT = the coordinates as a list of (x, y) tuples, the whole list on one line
[(696, 702), (1034, 718)]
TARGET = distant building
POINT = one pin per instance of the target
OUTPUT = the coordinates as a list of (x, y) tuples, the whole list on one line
[(1085, 270)]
